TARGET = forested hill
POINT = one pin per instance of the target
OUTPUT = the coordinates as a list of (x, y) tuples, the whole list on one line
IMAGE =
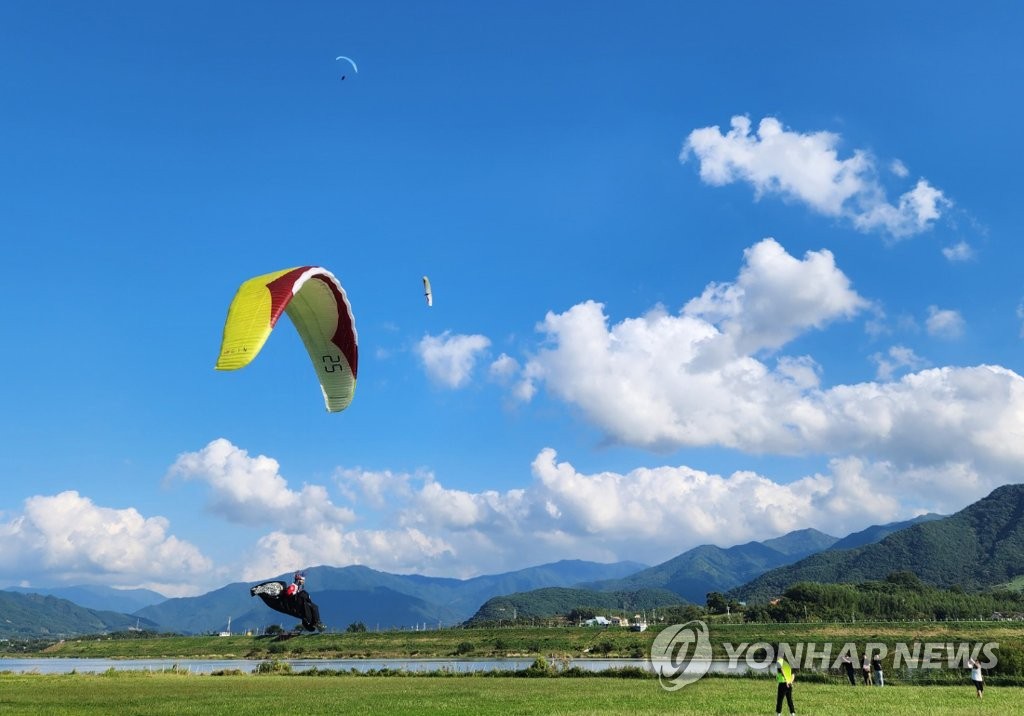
[(37, 615), (708, 568), (98, 596), (877, 533), (555, 602), (981, 546)]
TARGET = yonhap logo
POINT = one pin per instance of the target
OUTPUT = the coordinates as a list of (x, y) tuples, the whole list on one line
[(681, 654)]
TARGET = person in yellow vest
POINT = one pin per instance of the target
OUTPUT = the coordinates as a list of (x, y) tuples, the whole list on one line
[(784, 678)]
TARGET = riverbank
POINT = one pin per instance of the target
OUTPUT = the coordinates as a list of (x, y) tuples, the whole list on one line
[(527, 641)]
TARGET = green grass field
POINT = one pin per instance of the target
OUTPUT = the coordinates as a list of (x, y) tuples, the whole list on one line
[(175, 695)]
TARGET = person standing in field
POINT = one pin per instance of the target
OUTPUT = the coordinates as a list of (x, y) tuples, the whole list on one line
[(976, 677), (865, 672), (876, 666), (784, 679), (848, 668)]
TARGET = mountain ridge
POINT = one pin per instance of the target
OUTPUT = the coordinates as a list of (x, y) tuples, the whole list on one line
[(981, 546)]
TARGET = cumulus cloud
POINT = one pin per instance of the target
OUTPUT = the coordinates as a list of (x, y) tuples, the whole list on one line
[(944, 323), (913, 213), (897, 359), (958, 252), (68, 539), (648, 513), (250, 490), (776, 297), (666, 381), (396, 550), (375, 487), (504, 368), (807, 168), (449, 359)]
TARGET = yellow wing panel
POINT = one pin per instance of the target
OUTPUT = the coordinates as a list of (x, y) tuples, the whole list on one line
[(248, 323)]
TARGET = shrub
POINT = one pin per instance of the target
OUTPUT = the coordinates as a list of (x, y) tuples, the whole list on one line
[(274, 666), (539, 668)]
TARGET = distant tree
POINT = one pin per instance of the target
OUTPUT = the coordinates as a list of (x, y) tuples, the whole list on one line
[(682, 613), (907, 580), (717, 603), (355, 627), (757, 613), (274, 629), (580, 614)]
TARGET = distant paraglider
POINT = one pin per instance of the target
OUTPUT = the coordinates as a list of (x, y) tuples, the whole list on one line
[(350, 61), (427, 292), (316, 302)]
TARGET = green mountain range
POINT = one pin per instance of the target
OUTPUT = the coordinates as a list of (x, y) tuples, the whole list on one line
[(708, 568), (688, 577), (98, 596), (877, 533), (982, 546), (37, 615)]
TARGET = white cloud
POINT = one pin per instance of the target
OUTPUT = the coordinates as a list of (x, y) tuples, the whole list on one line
[(899, 168), (504, 368), (251, 490), (376, 488), (402, 551), (807, 168), (666, 382), (68, 539), (944, 323), (646, 514), (897, 359), (913, 213), (449, 359), (959, 252), (776, 297)]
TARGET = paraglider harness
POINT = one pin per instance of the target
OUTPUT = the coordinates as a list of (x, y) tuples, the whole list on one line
[(281, 598)]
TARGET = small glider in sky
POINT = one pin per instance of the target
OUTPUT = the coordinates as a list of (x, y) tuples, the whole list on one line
[(427, 292), (350, 61)]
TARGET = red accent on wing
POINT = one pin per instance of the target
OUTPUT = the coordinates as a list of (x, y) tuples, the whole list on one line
[(344, 336), (281, 292)]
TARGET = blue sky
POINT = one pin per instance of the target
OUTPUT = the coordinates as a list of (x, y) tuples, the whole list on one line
[(701, 275)]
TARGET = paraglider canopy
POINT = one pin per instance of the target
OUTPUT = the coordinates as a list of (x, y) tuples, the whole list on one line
[(350, 61), (316, 302), (427, 292)]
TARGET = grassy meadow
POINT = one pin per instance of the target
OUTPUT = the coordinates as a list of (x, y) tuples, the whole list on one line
[(154, 694), (554, 692)]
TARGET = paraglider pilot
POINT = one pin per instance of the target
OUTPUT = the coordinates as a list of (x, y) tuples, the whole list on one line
[(292, 599), (310, 612)]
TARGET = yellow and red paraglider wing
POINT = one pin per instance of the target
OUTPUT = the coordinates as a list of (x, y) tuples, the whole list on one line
[(316, 302)]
